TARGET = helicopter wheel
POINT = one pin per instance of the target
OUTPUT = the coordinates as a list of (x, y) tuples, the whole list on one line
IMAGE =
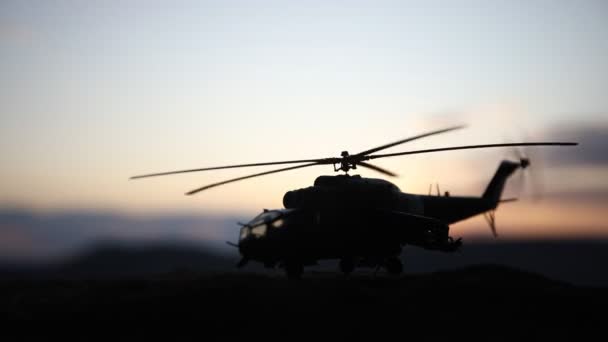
[(394, 266), (347, 265), (294, 269)]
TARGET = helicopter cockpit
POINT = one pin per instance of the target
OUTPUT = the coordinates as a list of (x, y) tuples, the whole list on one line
[(258, 227)]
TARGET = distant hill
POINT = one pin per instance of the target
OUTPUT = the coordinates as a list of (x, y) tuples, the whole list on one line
[(119, 259), (127, 260), (575, 262), (578, 262)]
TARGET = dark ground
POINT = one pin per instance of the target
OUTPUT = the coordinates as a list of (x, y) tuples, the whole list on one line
[(486, 301), (176, 292)]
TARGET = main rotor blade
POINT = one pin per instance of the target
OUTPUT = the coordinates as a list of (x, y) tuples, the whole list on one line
[(321, 161), (470, 147), (377, 168), (249, 176), (376, 149)]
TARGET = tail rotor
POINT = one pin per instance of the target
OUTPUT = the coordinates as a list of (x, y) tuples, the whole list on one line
[(530, 177)]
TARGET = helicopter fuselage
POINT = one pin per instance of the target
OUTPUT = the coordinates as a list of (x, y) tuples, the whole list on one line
[(347, 217)]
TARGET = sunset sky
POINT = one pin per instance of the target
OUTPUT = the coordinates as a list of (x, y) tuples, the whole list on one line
[(93, 92)]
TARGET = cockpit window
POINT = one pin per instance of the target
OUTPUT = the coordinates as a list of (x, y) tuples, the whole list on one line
[(259, 231), (265, 217), (258, 227), (278, 223), (244, 233)]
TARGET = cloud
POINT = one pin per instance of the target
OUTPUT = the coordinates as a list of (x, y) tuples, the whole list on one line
[(591, 151), (32, 235), (588, 197)]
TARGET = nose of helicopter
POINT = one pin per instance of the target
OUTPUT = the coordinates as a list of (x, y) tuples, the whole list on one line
[(254, 235)]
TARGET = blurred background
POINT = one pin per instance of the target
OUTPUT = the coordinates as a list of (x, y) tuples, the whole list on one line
[(95, 92)]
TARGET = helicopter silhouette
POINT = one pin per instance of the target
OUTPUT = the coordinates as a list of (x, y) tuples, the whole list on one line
[(362, 222)]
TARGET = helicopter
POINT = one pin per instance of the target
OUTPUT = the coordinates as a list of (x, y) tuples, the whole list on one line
[(362, 222)]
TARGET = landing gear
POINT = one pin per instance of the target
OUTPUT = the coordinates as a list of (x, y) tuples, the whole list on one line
[(394, 266), (294, 269), (347, 265), (491, 219)]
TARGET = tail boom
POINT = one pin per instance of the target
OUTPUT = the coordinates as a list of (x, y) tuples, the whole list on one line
[(451, 209), (495, 187)]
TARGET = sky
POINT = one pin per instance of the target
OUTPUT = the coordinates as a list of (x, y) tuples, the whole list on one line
[(95, 92)]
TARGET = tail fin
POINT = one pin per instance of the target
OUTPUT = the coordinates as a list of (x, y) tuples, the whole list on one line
[(497, 184)]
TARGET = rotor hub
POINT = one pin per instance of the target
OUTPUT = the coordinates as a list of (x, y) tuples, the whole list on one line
[(346, 163)]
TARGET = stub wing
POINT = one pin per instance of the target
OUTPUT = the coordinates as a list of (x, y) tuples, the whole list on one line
[(422, 231)]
